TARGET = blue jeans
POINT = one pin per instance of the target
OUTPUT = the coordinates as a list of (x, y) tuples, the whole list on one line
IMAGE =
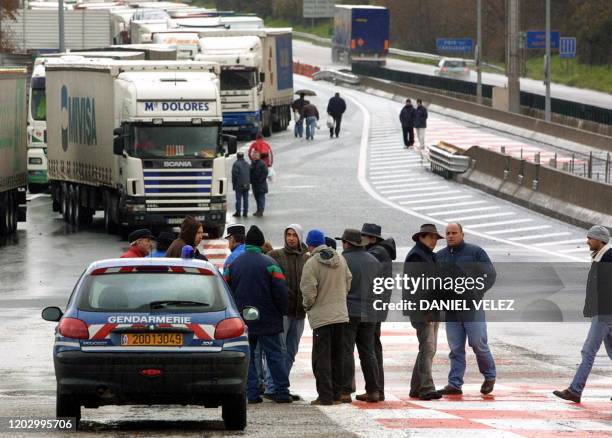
[(600, 331), (290, 338), (311, 126), (298, 129), (260, 200), (242, 198), (476, 334), (275, 358)]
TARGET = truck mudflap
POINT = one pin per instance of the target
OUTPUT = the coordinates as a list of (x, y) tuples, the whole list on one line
[(21, 205)]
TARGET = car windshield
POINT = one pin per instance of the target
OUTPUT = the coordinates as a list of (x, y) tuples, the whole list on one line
[(234, 79), (168, 141), (454, 64), (152, 291), (38, 105), (150, 15)]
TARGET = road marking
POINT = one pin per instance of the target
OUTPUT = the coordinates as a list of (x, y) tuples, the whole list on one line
[(424, 195), (396, 177), (377, 167), (560, 242), (37, 195), (396, 172), (394, 160), (407, 181), (465, 210), (416, 189), (568, 251), (539, 236), (480, 216), (453, 204), (423, 201), (495, 224), (518, 230)]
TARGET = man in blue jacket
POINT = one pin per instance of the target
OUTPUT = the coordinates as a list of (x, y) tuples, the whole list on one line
[(256, 280), (235, 241), (466, 260)]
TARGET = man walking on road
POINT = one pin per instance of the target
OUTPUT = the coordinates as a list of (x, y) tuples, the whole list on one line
[(384, 251), (335, 108), (469, 261), (310, 113), (325, 282), (598, 307), (361, 330), (241, 181), (291, 258), (421, 261), (420, 123), (259, 181), (256, 280), (296, 106), (141, 244), (407, 120)]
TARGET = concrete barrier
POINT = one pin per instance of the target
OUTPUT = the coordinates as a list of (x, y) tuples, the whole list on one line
[(570, 198)]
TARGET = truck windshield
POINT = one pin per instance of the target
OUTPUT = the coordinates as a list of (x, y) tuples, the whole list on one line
[(38, 106), (243, 79), (151, 141)]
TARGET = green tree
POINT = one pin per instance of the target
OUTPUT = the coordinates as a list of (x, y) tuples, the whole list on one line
[(592, 24)]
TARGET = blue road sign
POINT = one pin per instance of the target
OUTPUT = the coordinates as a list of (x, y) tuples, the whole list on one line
[(567, 47), (536, 39), (455, 44)]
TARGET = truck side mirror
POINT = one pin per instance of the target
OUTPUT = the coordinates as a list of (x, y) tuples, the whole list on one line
[(262, 77), (232, 144), (118, 141)]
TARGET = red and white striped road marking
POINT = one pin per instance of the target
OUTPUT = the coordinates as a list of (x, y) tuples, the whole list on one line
[(216, 250)]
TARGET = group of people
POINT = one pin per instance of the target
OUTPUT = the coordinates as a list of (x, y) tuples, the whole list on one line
[(306, 112), (412, 118)]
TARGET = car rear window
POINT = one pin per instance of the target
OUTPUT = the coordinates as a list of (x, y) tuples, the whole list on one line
[(137, 290), (455, 64)]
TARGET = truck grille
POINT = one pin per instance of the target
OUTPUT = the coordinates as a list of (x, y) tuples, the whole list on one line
[(177, 190)]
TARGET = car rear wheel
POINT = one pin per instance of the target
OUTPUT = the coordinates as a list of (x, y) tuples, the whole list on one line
[(67, 406), (234, 412)]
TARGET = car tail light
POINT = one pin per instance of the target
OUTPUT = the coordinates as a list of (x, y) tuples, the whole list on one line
[(229, 328), (151, 372), (73, 328), (444, 69)]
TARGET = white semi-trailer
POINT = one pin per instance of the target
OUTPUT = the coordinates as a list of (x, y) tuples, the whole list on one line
[(139, 140), (12, 148)]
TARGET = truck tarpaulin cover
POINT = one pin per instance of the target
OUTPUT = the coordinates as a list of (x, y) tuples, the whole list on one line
[(284, 64)]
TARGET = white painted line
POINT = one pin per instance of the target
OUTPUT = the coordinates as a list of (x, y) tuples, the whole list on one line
[(424, 201), (383, 160), (538, 236), (377, 167), (396, 177), (424, 195), (398, 171), (452, 204), (518, 230), (416, 189), (464, 210), (408, 182), (569, 251), (480, 216), (495, 224), (560, 242)]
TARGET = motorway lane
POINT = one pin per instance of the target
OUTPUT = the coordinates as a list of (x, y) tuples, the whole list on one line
[(309, 53)]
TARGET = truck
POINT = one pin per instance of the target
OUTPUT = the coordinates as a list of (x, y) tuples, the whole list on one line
[(361, 34), (187, 43), (13, 133), (256, 77), (139, 140)]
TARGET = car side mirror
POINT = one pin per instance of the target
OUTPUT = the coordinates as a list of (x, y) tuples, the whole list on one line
[(250, 313), (232, 144), (52, 314)]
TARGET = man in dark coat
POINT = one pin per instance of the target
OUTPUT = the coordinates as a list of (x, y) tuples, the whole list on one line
[(259, 181), (421, 260), (384, 251), (256, 280), (296, 106), (241, 181), (420, 122), (407, 120), (335, 108), (598, 307), (361, 329)]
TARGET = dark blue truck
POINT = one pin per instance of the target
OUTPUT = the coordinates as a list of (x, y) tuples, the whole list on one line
[(361, 34)]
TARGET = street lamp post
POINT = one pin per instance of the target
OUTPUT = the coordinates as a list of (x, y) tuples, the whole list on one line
[(547, 61), (479, 52), (60, 15)]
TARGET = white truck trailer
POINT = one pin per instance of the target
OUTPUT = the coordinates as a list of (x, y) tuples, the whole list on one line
[(139, 140), (256, 77), (12, 148)]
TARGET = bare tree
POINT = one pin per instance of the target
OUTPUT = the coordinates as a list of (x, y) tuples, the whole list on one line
[(8, 12)]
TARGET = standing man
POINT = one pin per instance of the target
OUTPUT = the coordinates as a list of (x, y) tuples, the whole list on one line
[(256, 280), (420, 123), (259, 181), (241, 181), (598, 307), (310, 113), (335, 108), (361, 330), (384, 251), (407, 120), (235, 241), (467, 260), (141, 244), (296, 106), (420, 261), (325, 282)]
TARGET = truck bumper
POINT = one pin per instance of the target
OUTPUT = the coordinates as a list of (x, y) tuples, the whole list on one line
[(148, 219), (38, 177), (242, 122)]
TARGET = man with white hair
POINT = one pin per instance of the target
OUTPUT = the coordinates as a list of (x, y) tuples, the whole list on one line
[(141, 244)]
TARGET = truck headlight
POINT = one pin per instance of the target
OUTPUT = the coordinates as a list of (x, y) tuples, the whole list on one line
[(218, 207), (136, 208)]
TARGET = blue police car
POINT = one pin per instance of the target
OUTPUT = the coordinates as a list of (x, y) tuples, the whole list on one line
[(151, 331)]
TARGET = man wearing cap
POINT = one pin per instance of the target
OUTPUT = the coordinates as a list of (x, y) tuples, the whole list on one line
[(141, 244), (598, 307), (235, 236), (256, 280), (384, 251), (241, 181), (361, 329), (467, 260), (325, 283), (421, 260)]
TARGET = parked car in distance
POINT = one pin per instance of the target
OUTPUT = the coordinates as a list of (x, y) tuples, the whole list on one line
[(452, 67)]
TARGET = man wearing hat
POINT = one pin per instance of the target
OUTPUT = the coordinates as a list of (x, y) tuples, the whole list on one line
[(361, 329), (164, 240), (421, 260), (241, 181), (141, 244), (384, 251), (598, 307), (256, 280), (235, 236), (325, 282)]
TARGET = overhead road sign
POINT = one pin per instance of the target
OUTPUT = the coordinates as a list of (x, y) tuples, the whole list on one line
[(455, 44)]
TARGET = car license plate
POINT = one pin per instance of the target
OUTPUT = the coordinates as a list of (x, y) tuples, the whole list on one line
[(152, 339)]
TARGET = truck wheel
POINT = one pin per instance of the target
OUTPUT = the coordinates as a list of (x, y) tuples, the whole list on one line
[(109, 224), (234, 412), (12, 207), (64, 201), (4, 220), (71, 204), (76, 208), (67, 406)]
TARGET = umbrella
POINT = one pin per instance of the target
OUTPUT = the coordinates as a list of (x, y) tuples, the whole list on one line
[(306, 92)]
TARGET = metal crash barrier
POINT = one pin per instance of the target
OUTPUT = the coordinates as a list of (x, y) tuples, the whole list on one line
[(447, 159)]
